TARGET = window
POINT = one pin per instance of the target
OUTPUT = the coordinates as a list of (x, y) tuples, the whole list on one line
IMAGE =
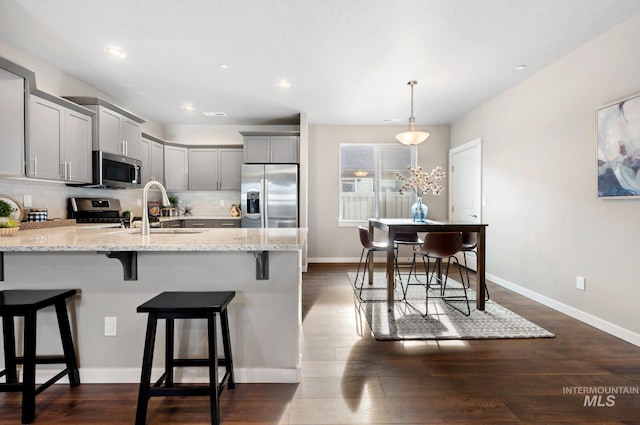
[(368, 183)]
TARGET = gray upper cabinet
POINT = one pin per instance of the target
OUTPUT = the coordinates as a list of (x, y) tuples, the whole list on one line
[(115, 129), (214, 168), (277, 149), (230, 164), (11, 123), (59, 142), (203, 169), (176, 166), (152, 157)]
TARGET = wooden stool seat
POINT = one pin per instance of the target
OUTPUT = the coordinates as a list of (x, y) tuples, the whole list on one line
[(26, 303), (186, 305)]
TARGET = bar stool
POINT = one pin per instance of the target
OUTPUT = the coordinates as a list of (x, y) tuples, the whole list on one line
[(186, 305), (26, 303)]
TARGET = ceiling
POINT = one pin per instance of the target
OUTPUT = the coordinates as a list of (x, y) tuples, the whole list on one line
[(348, 61)]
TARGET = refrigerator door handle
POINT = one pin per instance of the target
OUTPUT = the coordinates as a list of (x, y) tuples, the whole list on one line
[(261, 199), (265, 191)]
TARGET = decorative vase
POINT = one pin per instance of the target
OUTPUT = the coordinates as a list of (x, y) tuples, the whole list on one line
[(419, 211)]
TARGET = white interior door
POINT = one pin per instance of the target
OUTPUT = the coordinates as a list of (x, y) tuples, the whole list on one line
[(465, 186)]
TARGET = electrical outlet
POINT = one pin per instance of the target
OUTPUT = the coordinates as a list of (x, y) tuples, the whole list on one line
[(222, 202), (580, 283), (110, 325), (27, 202)]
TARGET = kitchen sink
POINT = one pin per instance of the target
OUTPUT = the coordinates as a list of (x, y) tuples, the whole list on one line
[(158, 231)]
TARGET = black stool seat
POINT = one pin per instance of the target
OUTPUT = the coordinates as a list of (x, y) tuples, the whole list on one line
[(26, 303), (186, 305)]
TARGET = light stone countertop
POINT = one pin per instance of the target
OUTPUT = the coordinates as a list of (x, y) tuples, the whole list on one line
[(76, 238)]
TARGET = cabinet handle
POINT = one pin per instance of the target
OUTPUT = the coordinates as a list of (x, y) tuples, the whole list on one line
[(227, 224), (69, 172), (34, 171), (197, 224)]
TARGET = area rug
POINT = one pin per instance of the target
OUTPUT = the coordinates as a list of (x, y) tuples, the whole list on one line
[(442, 322)]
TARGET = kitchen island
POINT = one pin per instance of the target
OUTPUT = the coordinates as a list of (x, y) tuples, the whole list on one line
[(263, 266)]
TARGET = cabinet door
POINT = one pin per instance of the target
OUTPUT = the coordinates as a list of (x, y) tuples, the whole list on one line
[(45, 139), (176, 163), (157, 161), (145, 159), (199, 223), (203, 169), (11, 123), (256, 149), (77, 146), (131, 135), (230, 164), (222, 223), (109, 131), (284, 149)]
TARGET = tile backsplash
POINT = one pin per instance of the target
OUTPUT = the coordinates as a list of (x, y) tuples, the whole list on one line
[(53, 196)]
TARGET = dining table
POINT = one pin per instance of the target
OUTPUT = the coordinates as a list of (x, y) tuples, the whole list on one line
[(393, 226)]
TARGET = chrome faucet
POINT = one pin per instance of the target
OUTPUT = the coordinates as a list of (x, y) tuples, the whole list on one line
[(145, 208)]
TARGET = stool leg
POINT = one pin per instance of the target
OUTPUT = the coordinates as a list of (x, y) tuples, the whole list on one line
[(9, 338), (213, 370), (168, 353), (226, 340), (29, 368), (67, 343), (147, 362)]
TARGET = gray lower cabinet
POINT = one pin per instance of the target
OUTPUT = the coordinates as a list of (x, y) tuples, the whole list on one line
[(11, 123), (214, 168), (176, 166), (59, 142), (271, 149), (152, 158), (172, 224), (202, 223), (219, 222)]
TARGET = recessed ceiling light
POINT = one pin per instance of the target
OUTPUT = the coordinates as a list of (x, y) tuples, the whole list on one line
[(188, 107), (282, 84), (115, 52), (520, 67), (224, 66), (214, 114)]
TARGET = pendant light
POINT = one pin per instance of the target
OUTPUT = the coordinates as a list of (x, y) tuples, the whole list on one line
[(412, 137)]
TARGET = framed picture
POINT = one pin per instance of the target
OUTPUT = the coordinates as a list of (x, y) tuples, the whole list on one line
[(618, 148)]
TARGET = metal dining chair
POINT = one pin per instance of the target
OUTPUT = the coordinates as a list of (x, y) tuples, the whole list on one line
[(404, 239), (470, 244), (369, 247), (439, 246)]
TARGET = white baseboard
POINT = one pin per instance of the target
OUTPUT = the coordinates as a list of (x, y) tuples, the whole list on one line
[(132, 375), (587, 318)]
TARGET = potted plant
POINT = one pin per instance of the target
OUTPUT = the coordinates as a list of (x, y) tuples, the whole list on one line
[(8, 226)]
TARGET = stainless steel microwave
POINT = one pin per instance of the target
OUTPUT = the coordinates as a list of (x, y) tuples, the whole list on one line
[(111, 170)]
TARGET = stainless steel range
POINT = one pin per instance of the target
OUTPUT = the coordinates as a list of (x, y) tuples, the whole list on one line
[(94, 210)]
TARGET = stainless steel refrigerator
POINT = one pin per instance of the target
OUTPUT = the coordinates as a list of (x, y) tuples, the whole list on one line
[(269, 195)]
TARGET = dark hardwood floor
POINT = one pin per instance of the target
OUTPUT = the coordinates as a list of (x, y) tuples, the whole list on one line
[(350, 378)]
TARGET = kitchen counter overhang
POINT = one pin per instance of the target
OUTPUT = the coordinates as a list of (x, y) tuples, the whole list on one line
[(124, 244)]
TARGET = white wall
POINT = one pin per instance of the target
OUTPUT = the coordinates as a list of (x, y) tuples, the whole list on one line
[(327, 242), (546, 224)]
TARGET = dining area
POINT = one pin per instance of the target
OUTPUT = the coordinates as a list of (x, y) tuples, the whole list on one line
[(433, 297)]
